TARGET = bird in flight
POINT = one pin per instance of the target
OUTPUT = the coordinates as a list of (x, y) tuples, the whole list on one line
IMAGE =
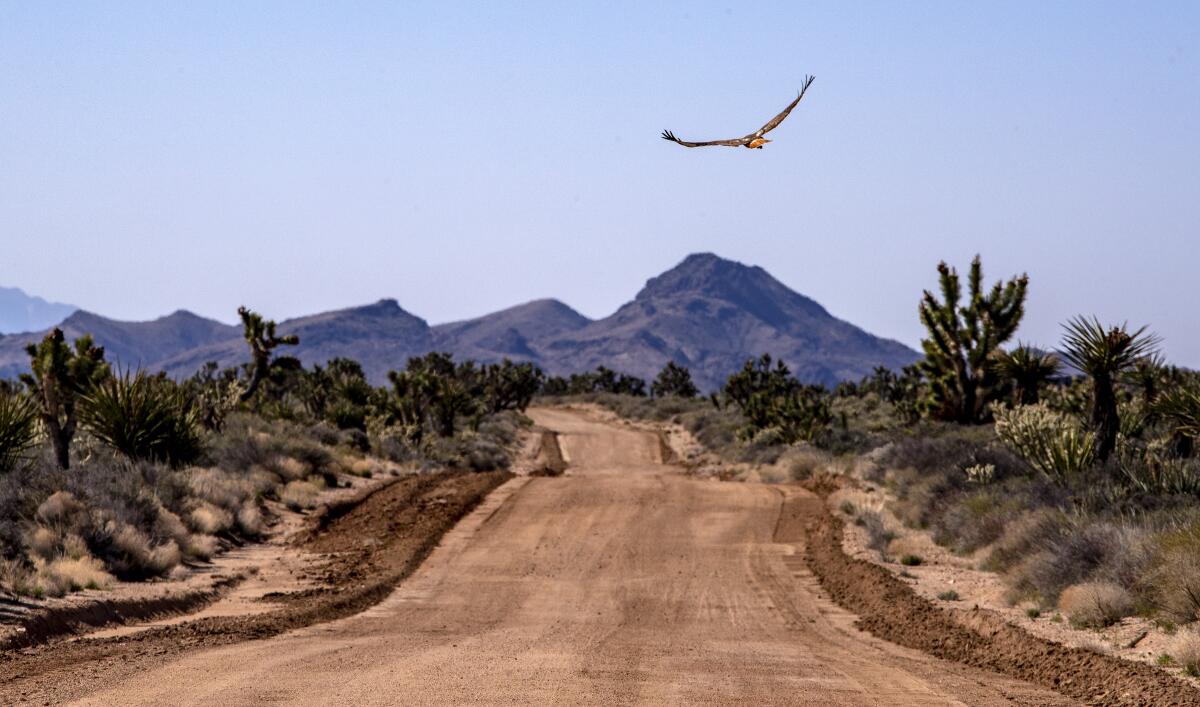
[(754, 140)]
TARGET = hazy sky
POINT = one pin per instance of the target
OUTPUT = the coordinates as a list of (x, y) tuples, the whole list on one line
[(462, 158)]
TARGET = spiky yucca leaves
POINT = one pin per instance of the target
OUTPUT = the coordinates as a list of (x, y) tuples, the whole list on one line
[(1028, 369), (18, 429), (674, 380), (260, 335), (62, 373), (143, 417), (1180, 407), (1103, 354), (964, 339)]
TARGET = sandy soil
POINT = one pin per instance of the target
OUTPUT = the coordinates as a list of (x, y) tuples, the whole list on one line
[(622, 581)]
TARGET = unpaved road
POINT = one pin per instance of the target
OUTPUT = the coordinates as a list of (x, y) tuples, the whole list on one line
[(621, 582)]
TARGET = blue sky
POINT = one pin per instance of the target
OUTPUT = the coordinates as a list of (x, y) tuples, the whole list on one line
[(465, 157)]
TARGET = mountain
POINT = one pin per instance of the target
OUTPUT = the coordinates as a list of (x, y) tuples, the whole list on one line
[(510, 332), (380, 336), (707, 313), (21, 312), (711, 314), (127, 344)]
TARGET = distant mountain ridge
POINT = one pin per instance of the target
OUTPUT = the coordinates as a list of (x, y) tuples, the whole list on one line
[(707, 313), (22, 312)]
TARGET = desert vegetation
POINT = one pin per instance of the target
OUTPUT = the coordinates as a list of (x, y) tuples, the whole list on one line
[(110, 475), (1071, 472)]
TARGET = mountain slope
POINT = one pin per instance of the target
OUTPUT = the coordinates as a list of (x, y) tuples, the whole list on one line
[(707, 313), (380, 336), (20, 312), (711, 314), (126, 344), (513, 333)]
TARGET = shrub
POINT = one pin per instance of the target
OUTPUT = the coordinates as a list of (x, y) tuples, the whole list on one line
[(948, 595), (1174, 582), (1033, 612), (1095, 604), (1186, 652), (300, 495), (1048, 441), (1064, 553), (911, 560), (878, 536), (143, 417)]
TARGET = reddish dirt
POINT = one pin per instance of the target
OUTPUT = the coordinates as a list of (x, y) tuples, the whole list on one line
[(889, 608), (622, 581)]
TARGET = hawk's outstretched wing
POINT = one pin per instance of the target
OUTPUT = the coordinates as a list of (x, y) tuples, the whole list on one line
[(668, 135), (774, 122)]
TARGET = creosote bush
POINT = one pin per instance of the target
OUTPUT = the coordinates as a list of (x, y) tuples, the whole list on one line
[(1095, 604)]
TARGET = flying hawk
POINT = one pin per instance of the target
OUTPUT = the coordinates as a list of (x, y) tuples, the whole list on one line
[(754, 140)]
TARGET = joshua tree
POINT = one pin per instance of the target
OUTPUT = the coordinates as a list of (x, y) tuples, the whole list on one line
[(1103, 355), (510, 386), (61, 375), (1028, 369), (260, 334), (964, 339), (674, 380)]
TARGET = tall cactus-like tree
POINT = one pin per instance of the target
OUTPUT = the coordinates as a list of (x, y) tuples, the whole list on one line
[(1104, 354), (62, 374), (964, 339), (1028, 369), (260, 335)]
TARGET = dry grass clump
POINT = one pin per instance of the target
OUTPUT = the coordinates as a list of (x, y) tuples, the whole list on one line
[(1095, 604), (208, 519), (1186, 651), (300, 495), (68, 574)]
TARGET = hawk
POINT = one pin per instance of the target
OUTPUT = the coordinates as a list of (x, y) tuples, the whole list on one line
[(754, 140)]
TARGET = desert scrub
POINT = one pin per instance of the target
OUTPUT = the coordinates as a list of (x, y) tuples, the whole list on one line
[(911, 560), (300, 495), (1173, 581), (1095, 604), (948, 595), (1186, 651)]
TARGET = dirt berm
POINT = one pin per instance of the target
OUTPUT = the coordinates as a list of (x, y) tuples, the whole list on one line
[(371, 546), (888, 608)]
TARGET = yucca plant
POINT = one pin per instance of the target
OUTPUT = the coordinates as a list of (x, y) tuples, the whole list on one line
[(1180, 407), (143, 417), (1028, 369), (18, 429), (1104, 354)]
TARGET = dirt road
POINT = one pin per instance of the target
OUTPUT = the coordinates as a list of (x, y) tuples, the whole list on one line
[(621, 582)]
